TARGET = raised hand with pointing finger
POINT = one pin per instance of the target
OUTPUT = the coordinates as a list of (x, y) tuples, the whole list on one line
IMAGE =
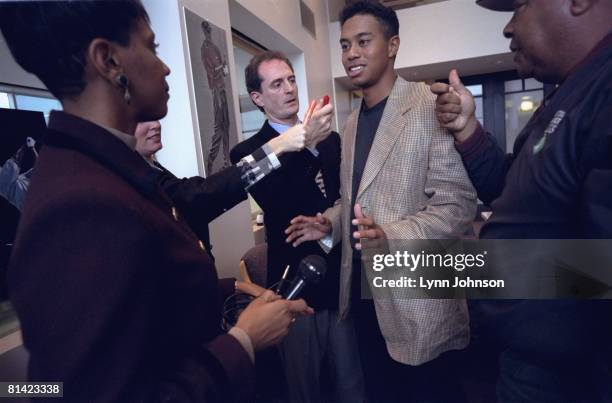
[(455, 107)]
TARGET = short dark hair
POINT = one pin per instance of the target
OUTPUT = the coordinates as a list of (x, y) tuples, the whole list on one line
[(49, 38), (385, 16), (251, 71)]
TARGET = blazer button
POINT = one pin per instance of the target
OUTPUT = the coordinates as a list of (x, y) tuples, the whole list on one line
[(201, 244), (175, 214)]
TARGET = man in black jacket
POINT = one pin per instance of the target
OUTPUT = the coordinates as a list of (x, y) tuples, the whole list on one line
[(307, 183), (555, 185)]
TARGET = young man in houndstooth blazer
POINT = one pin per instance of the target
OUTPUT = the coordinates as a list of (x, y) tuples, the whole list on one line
[(401, 179)]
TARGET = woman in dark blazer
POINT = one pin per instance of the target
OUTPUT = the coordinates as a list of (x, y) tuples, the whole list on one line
[(116, 296)]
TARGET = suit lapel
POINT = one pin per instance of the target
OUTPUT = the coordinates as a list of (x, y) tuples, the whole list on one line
[(348, 150), (265, 134), (389, 130)]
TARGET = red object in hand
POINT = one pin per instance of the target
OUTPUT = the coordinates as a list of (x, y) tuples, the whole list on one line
[(311, 109), (309, 112)]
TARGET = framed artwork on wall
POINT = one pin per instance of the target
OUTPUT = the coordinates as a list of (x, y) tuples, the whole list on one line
[(212, 88)]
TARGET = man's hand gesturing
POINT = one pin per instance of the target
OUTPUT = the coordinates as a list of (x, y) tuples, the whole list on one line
[(455, 107)]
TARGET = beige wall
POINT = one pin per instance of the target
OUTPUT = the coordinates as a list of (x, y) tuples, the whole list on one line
[(11, 73)]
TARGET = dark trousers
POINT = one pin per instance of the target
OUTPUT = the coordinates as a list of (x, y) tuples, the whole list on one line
[(387, 380), (548, 350), (527, 379)]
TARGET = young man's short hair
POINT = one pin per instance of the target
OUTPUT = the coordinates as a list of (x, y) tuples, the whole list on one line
[(385, 16)]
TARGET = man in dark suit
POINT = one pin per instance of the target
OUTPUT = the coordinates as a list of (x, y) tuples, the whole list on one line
[(307, 183)]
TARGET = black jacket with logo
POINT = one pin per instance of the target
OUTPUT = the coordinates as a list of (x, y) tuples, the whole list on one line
[(557, 184)]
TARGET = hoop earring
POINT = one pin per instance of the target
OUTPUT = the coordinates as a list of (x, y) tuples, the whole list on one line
[(124, 83)]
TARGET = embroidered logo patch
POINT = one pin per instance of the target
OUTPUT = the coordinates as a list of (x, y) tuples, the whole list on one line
[(552, 127)]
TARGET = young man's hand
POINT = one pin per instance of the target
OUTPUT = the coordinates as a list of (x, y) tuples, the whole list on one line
[(367, 228)]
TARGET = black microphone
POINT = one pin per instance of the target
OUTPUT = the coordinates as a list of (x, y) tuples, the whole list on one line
[(311, 271)]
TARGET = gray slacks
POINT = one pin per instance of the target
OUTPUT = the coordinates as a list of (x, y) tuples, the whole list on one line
[(310, 341)]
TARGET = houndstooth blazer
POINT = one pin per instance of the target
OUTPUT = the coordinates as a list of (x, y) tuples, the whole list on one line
[(414, 185)]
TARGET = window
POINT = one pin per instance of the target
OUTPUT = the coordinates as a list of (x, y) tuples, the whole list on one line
[(4, 101), (522, 98), (31, 100), (476, 91), (39, 104), (252, 119), (28, 99), (505, 102)]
